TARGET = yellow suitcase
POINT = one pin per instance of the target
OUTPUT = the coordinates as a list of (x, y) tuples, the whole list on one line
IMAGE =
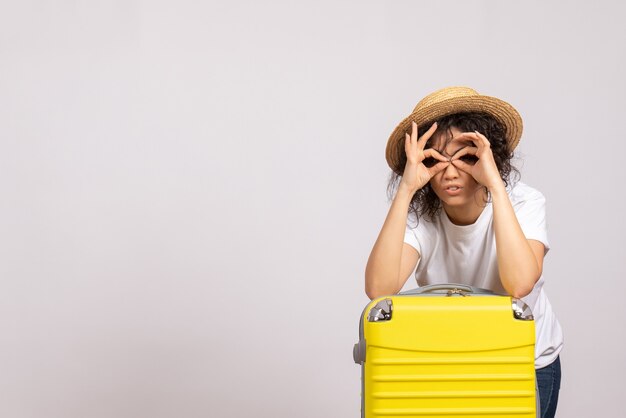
[(447, 351)]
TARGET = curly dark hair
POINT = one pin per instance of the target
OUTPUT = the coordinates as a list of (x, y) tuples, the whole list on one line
[(425, 202)]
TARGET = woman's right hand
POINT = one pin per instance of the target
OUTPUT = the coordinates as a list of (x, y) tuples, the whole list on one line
[(416, 174)]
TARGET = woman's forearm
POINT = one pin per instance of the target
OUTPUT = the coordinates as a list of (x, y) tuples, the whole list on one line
[(382, 274), (517, 264)]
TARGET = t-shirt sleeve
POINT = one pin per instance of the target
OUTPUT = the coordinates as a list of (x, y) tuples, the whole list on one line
[(530, 208), (414, 234), (410, 237)]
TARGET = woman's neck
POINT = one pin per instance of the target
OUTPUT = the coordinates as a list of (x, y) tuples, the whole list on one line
[(467, 214)]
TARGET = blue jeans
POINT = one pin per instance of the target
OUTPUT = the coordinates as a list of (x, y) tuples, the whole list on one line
[(549, 383)]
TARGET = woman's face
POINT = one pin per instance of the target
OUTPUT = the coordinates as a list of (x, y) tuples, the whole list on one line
[(456, 189)]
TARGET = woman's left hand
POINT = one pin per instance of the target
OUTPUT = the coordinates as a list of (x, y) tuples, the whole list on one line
[(484, 170)]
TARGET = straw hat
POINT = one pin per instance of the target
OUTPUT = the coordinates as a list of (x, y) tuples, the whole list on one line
[(447, 102)]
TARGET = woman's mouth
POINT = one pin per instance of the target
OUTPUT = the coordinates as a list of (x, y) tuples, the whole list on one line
[(453, 190)]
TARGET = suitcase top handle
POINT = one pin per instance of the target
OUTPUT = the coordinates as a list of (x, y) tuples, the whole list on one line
[(449, 289)]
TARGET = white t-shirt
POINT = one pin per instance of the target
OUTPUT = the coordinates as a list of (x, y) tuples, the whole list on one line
[(466, 254)]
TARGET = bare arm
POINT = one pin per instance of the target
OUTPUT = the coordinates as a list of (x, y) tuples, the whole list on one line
[(391, 260), (520, 260)]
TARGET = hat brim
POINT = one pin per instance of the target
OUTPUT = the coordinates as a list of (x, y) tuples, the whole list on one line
[(499, 109)]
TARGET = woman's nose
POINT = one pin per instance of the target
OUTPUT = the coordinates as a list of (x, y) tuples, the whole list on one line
[(450, 172)]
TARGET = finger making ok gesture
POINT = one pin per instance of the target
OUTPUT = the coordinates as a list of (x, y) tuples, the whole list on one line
[(482, 167), (421, 165)]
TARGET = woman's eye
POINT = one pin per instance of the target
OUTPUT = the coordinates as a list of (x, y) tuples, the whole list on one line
[(429, 162), (469, 159)]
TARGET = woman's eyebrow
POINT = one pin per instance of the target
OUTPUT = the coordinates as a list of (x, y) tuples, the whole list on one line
[(464, 142), (462, 147)]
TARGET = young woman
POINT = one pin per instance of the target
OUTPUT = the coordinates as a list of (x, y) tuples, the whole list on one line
[(457, 216)]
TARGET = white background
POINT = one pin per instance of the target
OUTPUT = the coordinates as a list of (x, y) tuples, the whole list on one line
[(190, 191)]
